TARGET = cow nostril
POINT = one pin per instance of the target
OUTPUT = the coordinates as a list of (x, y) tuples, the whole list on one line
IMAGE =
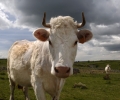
[(68, 70), (56, 70)]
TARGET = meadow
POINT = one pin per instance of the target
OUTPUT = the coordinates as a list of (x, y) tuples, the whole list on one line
[(91, 74)]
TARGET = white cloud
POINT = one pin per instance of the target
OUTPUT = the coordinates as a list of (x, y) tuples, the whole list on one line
[(4, 22), (97, 53)]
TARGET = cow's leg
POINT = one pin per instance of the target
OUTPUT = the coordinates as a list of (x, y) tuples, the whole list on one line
[(38, 87), (61, 84), (12, 88), (25, 91)]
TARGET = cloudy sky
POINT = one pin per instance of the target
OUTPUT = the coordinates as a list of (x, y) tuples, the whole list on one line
[(19, 18)]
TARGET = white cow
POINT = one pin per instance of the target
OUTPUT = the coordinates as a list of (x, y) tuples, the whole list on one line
[(107, 68), (45, 63)]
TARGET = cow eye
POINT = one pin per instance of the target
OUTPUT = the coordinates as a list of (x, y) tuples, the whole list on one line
[(75, 43), (50, 42)]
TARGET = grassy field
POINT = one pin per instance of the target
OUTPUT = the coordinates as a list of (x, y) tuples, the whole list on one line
[(97, 87)]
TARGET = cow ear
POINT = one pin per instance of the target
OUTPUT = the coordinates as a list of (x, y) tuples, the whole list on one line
[(84, 36), (41, 34)]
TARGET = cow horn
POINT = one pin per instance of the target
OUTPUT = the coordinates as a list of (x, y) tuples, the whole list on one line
[(83, 21), (44, 21)]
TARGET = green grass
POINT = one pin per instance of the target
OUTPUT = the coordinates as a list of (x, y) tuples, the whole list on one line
[(97, 87), (3, 62)]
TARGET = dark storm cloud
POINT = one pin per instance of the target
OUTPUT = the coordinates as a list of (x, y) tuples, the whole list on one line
[(99, 12), (106, 33), (106, 12), (113, 29), (32, 11), (112, 47)]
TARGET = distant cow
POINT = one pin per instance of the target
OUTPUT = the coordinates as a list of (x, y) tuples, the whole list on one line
[(107, 68), (45, 63)]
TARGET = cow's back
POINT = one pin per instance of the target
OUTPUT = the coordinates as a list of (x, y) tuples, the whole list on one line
[(19, 62)]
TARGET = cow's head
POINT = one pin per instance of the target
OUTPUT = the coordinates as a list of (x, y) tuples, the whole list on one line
[(62, 40)]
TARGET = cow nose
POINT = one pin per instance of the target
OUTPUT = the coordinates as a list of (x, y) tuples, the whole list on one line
[(62, 72)]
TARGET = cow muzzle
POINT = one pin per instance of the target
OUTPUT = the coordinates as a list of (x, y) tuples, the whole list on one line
[(62, 72)]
